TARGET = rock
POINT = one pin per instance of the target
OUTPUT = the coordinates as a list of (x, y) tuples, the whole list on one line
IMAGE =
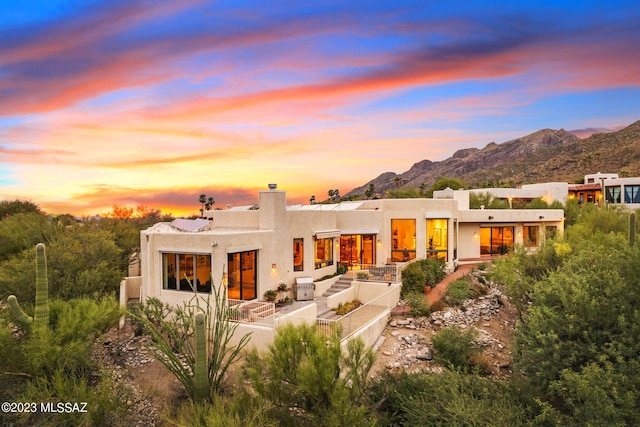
[(425, 354)]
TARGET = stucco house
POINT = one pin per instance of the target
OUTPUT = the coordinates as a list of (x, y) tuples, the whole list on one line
[(252, 250)]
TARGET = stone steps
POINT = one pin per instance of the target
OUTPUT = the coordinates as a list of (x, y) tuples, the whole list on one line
[(342, 284)]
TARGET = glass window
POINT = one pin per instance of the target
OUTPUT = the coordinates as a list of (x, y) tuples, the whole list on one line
[(437, 238), (403, 239), (632, 193), (496, 240), (242, 275), (298, 254), (185, 272), (323, 253), (531, 236), (356, 249), (612, 194)]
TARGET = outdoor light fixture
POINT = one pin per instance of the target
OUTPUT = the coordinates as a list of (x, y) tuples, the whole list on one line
[(214, 244), (273, 267), (475, 234), (490, 217), (519, 233), (379, 242), (540, 217)]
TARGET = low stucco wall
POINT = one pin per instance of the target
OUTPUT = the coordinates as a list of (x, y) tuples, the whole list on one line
[(372, 331), (261, 336), (321, 287), (342, 297)]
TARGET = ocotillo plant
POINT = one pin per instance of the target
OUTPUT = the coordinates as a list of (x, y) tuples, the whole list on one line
[(632, 229), (41, 312), (201, 368)]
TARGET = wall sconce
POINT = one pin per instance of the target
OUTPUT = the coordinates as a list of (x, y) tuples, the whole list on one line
[(273, 267), (490, 217), (540, 217), (214, 244), (379, 242), (475, 234), (519, 233)]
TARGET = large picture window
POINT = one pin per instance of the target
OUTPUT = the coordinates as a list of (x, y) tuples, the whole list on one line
[(298, 255), (403, 239), (612, 194), (437, 238), (242, 275), (186, 272), (323, 253), (356, 249), (632, 193), (496, 240)]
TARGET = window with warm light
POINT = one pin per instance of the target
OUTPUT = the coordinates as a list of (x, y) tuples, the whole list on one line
[(357, 249), (323, 253), (496, 240), (531, 236), (437, 238), (298, 254), (403, 239), (186, 272), (242, 277)]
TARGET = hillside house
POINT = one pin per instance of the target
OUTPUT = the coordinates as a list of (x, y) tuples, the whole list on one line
[(250, 251)]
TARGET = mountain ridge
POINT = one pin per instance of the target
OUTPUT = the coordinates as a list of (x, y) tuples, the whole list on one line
[(542, 156)]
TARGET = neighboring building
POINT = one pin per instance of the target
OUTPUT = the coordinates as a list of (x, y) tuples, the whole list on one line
[(252, 250)]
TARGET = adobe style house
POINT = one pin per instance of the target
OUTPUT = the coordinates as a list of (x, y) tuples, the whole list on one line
[(617, 191), (250, 251)]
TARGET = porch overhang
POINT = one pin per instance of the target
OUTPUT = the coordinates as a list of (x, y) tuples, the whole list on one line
[(326, 234)]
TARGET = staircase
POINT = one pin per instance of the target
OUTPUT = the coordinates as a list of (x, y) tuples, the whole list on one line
[(344, 282)]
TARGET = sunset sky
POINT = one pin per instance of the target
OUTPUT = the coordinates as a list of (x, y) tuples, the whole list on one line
[(153, 103)]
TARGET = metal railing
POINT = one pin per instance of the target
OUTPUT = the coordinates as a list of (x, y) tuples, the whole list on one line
[(252, 311), (353, 321), (377, 273)]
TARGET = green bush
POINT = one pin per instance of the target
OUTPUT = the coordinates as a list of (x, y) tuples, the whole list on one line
[(452, 398), (224, 411), (418, 305), (459, 291), (306, 371), (421, 273), (454, 347)]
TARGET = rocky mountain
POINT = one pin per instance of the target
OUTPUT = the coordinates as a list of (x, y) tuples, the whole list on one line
[(544, 156)]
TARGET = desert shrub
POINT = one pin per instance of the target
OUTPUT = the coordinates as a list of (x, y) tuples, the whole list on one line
[(454, 347), (438, 306), (307, 379), (452, 398), (224, 411), (106, 402), (459, 291), (65, 345), (418, 305), (421, 273)]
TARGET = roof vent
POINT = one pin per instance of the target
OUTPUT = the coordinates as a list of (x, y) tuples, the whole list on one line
[(273, 186)]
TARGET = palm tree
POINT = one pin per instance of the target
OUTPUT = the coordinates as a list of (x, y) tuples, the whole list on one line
[(203, 200)]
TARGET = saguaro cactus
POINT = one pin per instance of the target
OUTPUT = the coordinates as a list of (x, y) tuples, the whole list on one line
[(632, 229), (201, 368), (41, 312)]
